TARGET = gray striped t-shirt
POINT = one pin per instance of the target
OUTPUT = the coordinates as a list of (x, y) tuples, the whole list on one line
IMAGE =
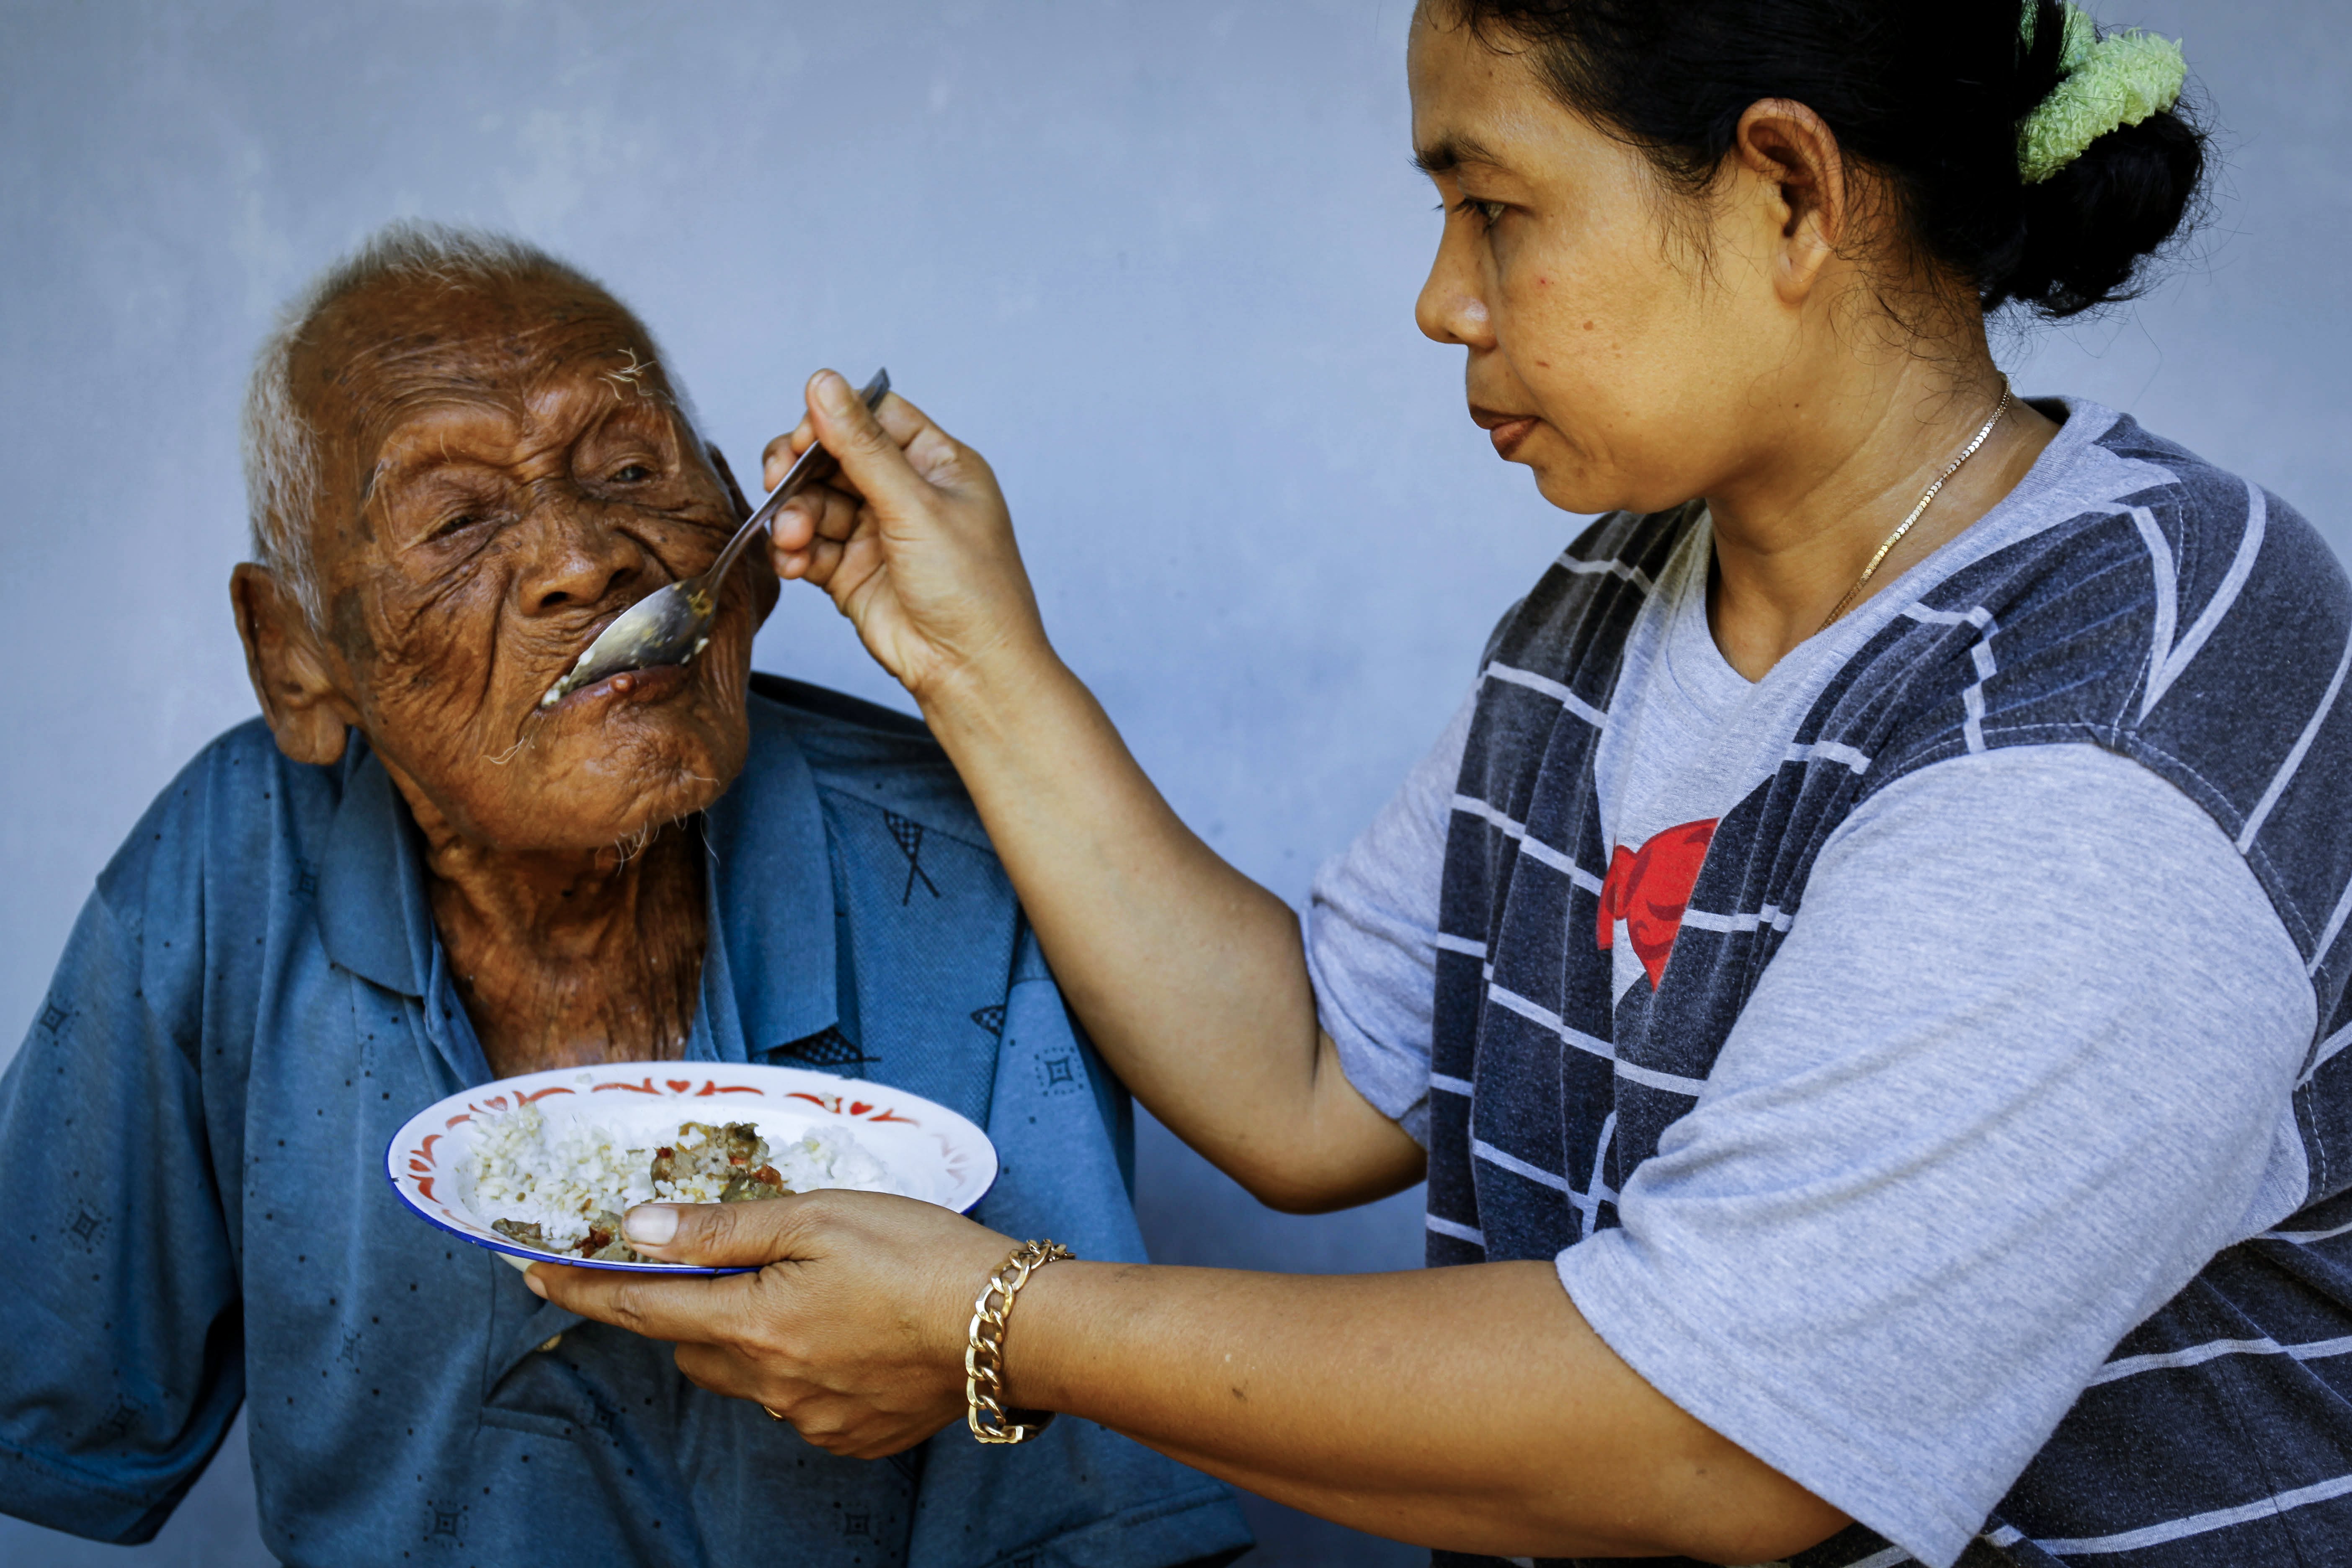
[(2043, 980)]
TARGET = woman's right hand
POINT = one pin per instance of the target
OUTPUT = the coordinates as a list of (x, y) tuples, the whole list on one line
[(911, 538)]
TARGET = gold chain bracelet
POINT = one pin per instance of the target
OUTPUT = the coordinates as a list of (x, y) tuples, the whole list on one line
[(984, 1354)]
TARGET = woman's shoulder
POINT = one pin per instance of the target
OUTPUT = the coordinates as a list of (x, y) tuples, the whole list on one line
[(2158, 605), (2146, 588), (2195, 540)]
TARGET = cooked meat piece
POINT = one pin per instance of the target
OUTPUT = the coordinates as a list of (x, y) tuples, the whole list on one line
[(604, 1242), (528, 1235), (748, 1187), (719, 1152)]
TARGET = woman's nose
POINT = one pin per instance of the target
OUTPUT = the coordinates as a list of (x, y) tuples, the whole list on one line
[(1451, 309)]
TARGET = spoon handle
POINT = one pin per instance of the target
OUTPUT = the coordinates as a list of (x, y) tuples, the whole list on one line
[(808, 467)]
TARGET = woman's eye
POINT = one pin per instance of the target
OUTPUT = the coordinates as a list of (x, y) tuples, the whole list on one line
[(1488, 213)]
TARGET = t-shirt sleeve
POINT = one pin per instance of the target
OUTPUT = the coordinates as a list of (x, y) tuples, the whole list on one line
[(1372, 936), (2022, 1066)]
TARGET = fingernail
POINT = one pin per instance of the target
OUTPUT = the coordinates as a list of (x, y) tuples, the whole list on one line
[(832, 390), (531, 1281), (652, 1224)]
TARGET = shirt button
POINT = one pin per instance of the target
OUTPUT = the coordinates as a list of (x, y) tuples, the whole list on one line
[(550, 1343)]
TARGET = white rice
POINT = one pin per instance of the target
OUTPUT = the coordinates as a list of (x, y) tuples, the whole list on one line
[(533, 1172)]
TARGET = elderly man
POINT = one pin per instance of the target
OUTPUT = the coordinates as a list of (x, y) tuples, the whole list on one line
[(465, 457)]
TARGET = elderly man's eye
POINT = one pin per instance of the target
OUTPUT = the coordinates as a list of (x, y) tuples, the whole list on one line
[(454, 524), (635, 474)]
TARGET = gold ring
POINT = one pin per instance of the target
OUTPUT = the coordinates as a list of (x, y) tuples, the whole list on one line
[(771, 1412)]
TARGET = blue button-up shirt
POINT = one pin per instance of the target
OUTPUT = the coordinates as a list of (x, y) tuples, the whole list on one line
[(255, 998)]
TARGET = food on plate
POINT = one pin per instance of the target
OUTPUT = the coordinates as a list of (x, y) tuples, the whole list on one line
[(562, 1188)]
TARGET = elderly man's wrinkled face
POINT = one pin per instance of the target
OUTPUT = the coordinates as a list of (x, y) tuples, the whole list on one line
[(505, 471)]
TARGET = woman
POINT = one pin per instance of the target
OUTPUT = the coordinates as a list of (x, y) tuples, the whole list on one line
[(1861, 970)]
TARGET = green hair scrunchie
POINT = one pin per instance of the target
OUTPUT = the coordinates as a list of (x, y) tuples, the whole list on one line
[(2104, 83)]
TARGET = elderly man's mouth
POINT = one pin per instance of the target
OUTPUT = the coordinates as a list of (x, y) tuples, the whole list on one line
[(629, 686)]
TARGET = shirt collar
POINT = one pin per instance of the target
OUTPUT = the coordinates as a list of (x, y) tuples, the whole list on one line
[(372, 913), (771, 905), (769, 975)]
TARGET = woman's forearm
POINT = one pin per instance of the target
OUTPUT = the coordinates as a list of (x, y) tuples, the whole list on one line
[(1191, 978), (1467, 1408)]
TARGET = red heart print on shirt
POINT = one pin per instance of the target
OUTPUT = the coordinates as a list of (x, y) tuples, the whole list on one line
[(1649, 887)]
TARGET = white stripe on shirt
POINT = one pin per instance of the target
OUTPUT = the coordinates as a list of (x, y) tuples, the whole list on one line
[(2262, 812), (1708, 920), (1458, 1231), (2325, 1052), (2213, 1350), (2333, 928), (1481, 1149), (1830, 752), (2170, 662), (1535, 1011), (1605, 568), (2305, 1237), (1533, 848), (1551, 689), (2200, 1523)]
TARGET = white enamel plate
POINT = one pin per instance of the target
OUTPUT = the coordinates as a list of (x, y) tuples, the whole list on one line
[(929, 1151)]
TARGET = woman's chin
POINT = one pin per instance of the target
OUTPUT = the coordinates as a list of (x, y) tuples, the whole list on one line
[(1573, 488)]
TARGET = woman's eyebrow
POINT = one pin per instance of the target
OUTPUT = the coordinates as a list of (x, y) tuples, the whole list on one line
[(1449, 152)]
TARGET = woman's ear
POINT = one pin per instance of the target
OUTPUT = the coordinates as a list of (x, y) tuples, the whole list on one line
[(282, 658), (1798, 175)]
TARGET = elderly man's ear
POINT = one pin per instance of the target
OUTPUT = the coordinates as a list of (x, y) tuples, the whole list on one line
[(298, 698), (765, 589), (726, 477)]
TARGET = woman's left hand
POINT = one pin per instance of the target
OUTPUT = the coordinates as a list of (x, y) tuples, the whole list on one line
[(853, 1330)]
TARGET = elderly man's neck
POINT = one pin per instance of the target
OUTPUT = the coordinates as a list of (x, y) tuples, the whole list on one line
[(571, 957)]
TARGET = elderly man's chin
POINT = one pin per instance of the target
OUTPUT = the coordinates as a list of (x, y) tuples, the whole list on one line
[(638, 751), (604, 768)]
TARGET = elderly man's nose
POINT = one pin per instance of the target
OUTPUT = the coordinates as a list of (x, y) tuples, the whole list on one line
[(582, 561)]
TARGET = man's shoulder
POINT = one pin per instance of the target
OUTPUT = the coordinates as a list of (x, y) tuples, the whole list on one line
[(225, 807), (865, 754)]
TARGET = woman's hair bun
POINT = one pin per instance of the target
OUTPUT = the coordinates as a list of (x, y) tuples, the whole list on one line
[(1930, 98), (2084, 232), (2085, 229)]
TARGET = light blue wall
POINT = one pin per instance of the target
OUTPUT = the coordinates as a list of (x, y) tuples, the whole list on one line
[(1157, 260)]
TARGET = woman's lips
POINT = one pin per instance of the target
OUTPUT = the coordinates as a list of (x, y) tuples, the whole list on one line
[(1507, 435), (1506, 430)]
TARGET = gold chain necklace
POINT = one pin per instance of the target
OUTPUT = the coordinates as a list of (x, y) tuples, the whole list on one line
[(1904, 527)]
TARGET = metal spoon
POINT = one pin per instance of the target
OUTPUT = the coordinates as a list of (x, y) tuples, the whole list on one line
[(672, 624)]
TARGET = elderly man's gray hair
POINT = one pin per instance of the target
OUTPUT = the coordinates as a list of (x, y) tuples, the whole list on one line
[(282, 462)]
